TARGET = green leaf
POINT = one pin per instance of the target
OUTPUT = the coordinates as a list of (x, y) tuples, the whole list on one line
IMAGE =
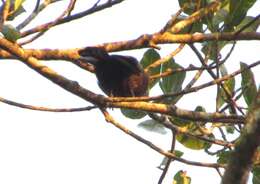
[(190, 6), (16, 4), (10, 33), (178, 153), (172, 83), (252, 28), (16, 13), (149, 57), (181, 178), (213, 48), (214, 21), (237, 12), (230, 129), (152, 126), (200, 109), (16, 9), (248, 84), (229, 86), (256, 175), (219, 17), (223, 157), (133, 114), (192, 143), (194, 128), (180, 122)]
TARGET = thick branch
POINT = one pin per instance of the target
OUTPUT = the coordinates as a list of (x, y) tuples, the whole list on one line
[(69, 85), (177, 112), (150, 40), (143, 41), (241, 161), (75, 88)]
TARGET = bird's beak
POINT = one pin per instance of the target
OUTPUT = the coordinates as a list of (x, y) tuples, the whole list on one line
[(88, 59)]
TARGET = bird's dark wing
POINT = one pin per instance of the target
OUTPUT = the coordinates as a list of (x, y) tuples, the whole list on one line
[(127, 61)]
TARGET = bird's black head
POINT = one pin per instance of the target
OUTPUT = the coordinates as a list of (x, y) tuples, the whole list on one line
[(93, 54)]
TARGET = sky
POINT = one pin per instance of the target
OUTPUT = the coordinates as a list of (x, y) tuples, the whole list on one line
[(80, 147)]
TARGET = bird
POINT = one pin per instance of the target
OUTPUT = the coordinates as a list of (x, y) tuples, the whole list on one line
[(117, 75)]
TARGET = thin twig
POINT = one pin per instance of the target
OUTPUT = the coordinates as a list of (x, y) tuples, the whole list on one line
[(236, 99), (93, 9), (179, 70), (222, 134), (38, 108), (111, 120), (212, 7), (197, 75), (37, 5), (33, 38), (219, 173), (203, 138), (191, 90), (72, 7), (216, 152), (229, 53), (36, 11), (162, 119), (44, 29), (172, 21), (214, 76), (165, 59), (169, 161)]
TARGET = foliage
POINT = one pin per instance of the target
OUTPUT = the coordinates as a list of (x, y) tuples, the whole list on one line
[(248, 84), (181, 178), (149, 57)]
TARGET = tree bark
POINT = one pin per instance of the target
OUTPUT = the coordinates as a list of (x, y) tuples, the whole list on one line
[(241, 160)]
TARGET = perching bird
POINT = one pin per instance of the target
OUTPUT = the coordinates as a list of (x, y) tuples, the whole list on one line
[(118, 76)]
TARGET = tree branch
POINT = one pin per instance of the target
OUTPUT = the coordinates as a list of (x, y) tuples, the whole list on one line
[(169, 161), (180, 113), (38, 8), (33, 63), (75, 88), (43, 29), (48, 109), (141, 42), (190, 90), (111, 120), (92, 10), (242, 158)]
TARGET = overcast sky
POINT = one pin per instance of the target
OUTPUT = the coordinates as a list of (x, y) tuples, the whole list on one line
[(53, 148)]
